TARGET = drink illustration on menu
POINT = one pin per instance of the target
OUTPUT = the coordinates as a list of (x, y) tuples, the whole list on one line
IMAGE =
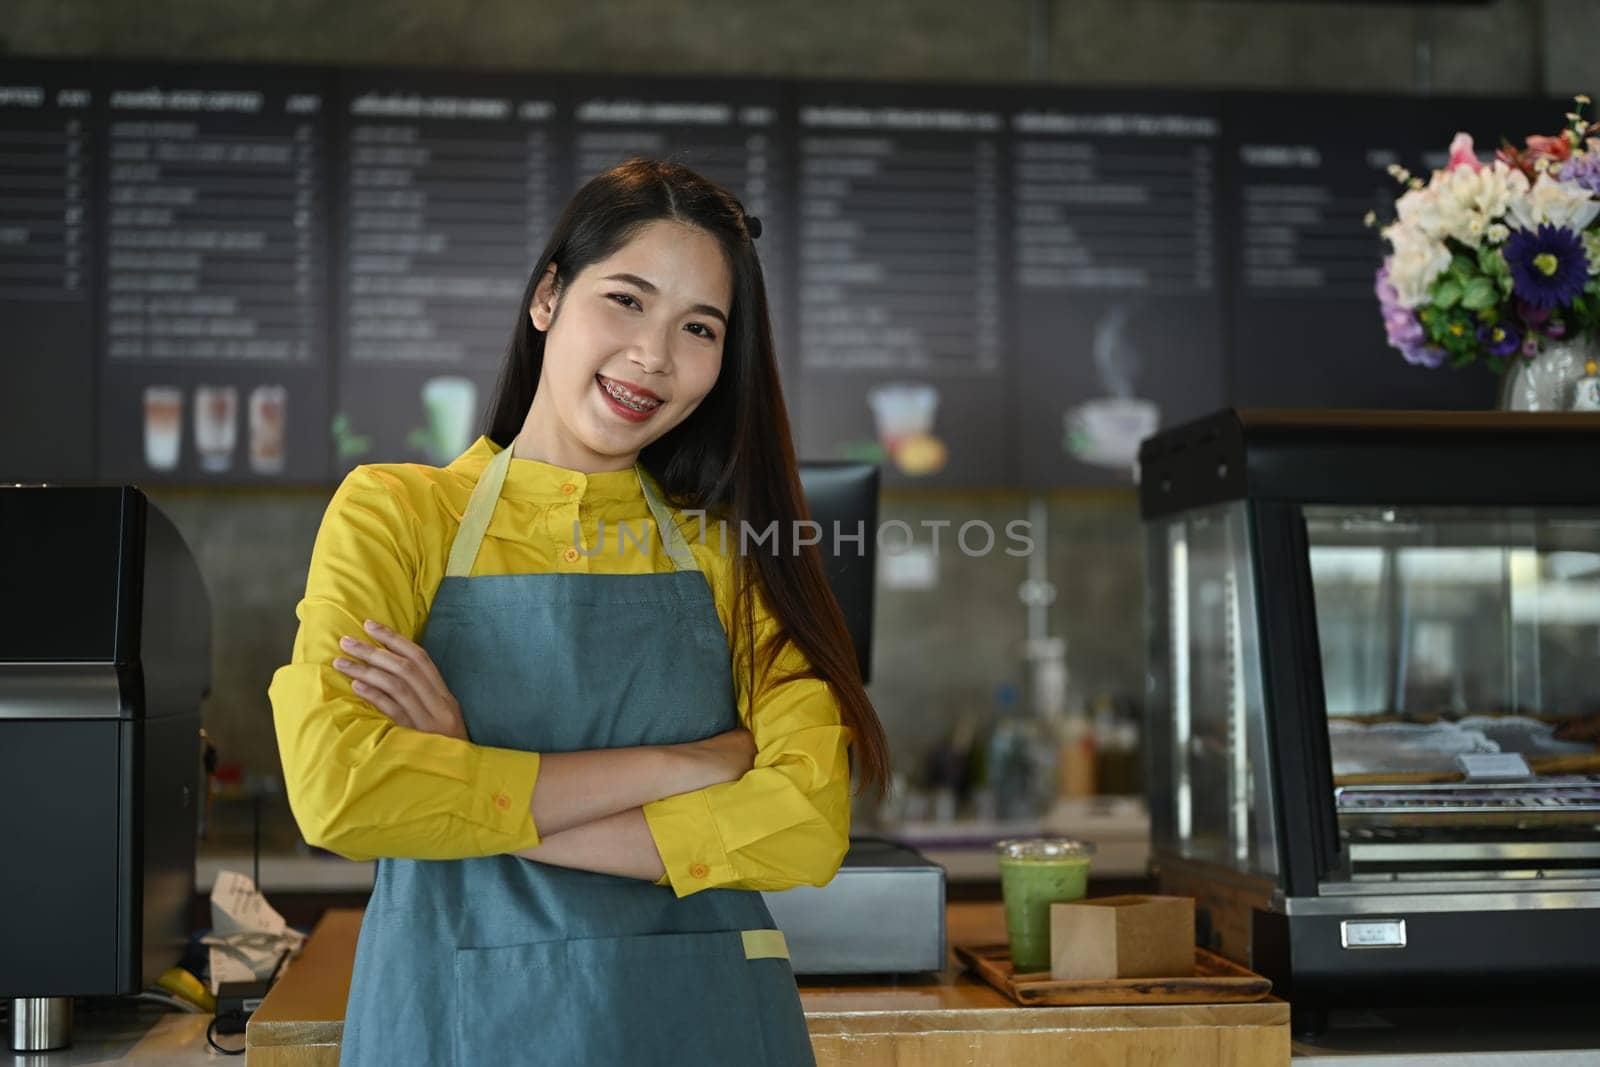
[(1105, 431), (903, 414)]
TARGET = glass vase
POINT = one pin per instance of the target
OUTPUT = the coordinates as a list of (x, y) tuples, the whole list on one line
[(1557, 378)]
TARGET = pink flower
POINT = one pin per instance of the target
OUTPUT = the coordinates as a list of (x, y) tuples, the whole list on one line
[(1552, 148), (1462, 155)]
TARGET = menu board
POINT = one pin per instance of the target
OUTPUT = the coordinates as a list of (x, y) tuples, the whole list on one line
[(242, 274), (448, 189), (733, 132), (903, 269), (213, 311), (1301, 172), (1113, 205), (48, 147)]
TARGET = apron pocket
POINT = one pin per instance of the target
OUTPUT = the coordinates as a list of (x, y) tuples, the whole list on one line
[(665, 999)]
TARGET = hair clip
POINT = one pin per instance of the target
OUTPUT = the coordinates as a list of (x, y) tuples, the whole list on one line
[(752, 224)]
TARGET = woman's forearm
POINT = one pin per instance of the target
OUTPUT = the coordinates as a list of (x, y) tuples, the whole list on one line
[(617, 844), (578, 788)]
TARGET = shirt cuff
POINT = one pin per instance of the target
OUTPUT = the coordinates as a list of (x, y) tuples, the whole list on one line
[(686, 836), (505, 780)]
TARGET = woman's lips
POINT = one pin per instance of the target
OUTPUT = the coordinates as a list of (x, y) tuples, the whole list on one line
[(623, 410)]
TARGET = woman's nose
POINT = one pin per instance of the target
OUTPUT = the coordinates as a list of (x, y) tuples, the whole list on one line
[(652, 353)]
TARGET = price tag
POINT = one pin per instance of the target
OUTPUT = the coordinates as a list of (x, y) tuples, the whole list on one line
[(1494, 766), (1373, 933)]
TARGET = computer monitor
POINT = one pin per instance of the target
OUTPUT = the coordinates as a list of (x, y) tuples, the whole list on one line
[(843, 497)]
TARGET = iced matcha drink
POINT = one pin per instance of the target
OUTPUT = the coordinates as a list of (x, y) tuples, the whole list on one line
[(1034, 874)]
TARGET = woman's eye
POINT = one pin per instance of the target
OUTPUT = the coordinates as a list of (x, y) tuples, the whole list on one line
[(624, 299), (700, 329)]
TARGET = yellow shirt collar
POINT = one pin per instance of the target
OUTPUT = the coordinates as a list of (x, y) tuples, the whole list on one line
[(535, 480)]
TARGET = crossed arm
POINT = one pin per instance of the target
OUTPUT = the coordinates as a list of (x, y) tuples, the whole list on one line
[(588, 806)]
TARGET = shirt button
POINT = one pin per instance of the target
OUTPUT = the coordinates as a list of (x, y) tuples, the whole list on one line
[(698, 870), (502, 801), (570, 555), (568, 488)]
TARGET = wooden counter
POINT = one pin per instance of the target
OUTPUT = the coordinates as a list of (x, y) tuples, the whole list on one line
[(950, 1018)]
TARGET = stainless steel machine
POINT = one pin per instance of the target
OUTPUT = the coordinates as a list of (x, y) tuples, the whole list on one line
[(105, 654), (1374, 698)]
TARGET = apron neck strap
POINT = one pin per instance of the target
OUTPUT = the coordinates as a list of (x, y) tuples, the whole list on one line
[(480, 508)]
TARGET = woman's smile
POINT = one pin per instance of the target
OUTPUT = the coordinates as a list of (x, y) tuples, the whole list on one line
[(634, 403)]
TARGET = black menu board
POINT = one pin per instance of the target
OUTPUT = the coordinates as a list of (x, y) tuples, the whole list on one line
[(1113, 204), (48, 147), (241, 274), (903, 270), (1301, 172), (214, 311), (733, 132), (448, 189)]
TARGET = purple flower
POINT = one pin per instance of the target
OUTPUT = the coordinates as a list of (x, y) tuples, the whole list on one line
[(1584, 169), (1400, 324), (1530, 315), (1502, 339), (1548, 265), (1401, 327), (1429, 356)]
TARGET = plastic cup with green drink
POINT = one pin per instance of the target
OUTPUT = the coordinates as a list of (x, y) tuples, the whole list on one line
[(1034, 874)]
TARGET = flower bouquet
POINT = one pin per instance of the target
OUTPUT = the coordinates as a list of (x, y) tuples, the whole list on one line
[(1493, 261)]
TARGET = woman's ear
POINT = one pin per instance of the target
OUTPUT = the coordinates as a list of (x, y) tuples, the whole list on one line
[(543, 309)]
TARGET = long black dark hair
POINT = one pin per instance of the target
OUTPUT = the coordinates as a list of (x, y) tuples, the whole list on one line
[(732, 457)]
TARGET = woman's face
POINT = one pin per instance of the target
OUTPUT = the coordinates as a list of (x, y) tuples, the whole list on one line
[(635, 347)]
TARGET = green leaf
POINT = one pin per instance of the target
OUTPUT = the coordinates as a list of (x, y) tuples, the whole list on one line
[(1462, 268), (1479, 294), (1496, 364), (1492, 263), (1446, 294)]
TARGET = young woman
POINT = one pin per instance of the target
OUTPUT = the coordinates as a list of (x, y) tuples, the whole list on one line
[(562, 693)]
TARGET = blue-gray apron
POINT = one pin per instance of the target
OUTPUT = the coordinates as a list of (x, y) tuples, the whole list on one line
[(499, 960)]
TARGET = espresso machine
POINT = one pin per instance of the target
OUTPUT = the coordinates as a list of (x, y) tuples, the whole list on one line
[(105, 655)]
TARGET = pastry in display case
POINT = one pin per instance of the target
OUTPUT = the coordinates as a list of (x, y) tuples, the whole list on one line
[(1374, 697)]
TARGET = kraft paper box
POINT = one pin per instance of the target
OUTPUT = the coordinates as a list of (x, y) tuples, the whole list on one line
[(1122, 937)]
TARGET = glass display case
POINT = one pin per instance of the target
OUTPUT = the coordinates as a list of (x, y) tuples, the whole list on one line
[(1374, 695)]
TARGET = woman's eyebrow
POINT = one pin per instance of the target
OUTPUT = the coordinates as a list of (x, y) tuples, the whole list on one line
[(647, 287)]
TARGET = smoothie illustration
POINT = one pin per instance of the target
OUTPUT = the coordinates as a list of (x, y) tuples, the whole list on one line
[(1105, 431), (449, 404), (1034, 874), (903, 413)]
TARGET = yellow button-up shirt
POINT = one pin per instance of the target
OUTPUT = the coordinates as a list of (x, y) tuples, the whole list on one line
[(362, 786)]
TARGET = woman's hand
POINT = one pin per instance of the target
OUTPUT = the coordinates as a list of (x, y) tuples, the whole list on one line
[(399, 679)]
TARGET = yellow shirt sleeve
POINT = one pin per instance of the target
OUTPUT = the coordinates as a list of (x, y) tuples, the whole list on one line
[(785, 823), (359, 784)]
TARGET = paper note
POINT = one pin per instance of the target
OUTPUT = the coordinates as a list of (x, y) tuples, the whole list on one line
[(247, 935)]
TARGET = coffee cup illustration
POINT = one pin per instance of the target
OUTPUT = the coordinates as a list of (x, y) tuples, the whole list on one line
[(903, 413), (216, 430), (163, 426)]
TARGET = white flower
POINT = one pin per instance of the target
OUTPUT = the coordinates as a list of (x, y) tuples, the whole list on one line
[(1418, 259), (1591, 249), (1557, 202), (1463, 203), (1497, 233)]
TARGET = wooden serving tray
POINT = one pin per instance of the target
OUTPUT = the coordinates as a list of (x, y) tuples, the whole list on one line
[(1215, 981)]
